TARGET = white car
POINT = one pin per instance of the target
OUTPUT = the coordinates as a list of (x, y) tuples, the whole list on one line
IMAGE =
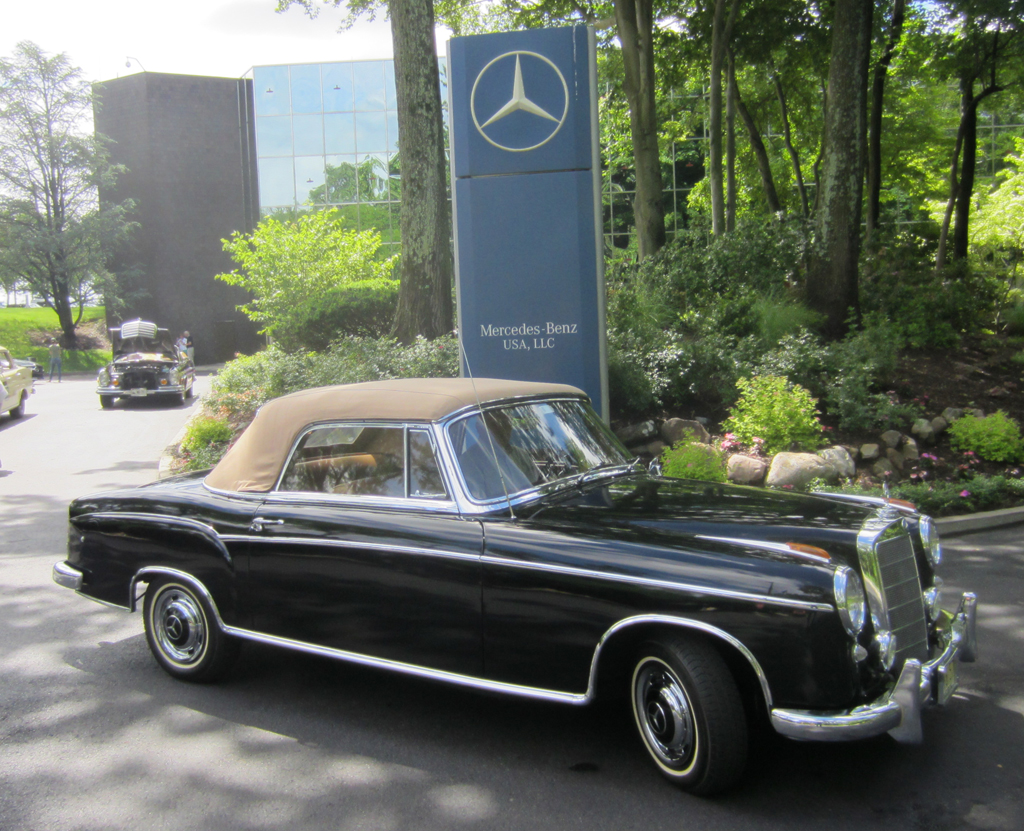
[(17, 381)]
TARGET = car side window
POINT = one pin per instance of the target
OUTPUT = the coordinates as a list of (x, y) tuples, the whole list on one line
[(365, 460)]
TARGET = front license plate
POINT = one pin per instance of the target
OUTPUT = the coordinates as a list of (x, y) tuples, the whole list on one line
[(948, 681), (138, 392)]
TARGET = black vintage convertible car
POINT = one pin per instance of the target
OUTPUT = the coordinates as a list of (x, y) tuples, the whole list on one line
[(495, 534)]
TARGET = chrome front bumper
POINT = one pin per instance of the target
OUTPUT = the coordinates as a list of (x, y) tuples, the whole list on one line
[(140, 392), (898, 712), (67, 576)]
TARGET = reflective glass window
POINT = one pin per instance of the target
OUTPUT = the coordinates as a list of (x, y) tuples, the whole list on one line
[(373, 177), (367, 462), (371, 132), (270, 90), (308, 135), (380, 216), (425, 480), (309, 179), (368, 82), (274, 135), (341, 179), (305, 82), (277, 182), (337, 87), (390, 96), (393, 131), (339, 133)]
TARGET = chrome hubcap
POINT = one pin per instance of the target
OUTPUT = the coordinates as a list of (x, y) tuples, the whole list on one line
[(179, 626), (663, 711)]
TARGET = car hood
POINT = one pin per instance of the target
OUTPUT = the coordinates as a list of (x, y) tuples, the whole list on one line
[(143, 359), (686, 514)]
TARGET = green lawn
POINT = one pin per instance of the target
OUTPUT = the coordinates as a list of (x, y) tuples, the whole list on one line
[(16, 324)]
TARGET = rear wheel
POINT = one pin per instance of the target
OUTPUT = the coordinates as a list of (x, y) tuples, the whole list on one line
[(19, 411), (689, 714), (183, 634)]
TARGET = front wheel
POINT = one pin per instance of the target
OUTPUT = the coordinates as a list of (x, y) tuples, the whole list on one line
[(183, 634), (106, 401), (689, 714)]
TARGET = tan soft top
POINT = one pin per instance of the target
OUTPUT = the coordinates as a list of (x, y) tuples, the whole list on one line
[(254, 463)]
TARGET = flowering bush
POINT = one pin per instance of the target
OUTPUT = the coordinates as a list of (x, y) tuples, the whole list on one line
[(775, 411)]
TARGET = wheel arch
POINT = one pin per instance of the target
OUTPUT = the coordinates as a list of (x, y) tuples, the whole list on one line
[(613, 656), (151, 574)]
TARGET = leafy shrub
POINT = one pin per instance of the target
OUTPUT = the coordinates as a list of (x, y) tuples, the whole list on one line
[(995, 438), (204, 431), (939, 498), (778, 412), (694, 460), (363, 308)]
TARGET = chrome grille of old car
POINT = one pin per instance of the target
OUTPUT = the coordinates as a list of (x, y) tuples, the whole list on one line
[(904, 602), (893, 584)]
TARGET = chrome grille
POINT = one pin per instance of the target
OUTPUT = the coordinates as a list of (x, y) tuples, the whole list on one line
[(904, 603)]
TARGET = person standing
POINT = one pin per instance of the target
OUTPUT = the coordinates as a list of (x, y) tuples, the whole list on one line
[(190, 347), (56, 359)]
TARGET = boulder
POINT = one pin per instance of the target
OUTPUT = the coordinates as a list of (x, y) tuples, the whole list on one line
[(974, 411), (883, 469), (655, 448), (797, 469), (923, 430), (746, 470), (892, 438), (869, 452), (939, 425), (910, 450), (633, 434), (676, 429), (951, 414), (896, 458), (840, 459)]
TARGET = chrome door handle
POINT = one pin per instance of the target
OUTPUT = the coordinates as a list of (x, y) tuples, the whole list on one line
[(259, 522)]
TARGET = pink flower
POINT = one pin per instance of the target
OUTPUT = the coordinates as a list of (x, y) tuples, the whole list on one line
[(965, 494)]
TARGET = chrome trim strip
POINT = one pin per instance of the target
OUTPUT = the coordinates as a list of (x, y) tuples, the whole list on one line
[(662, 584), (67, 576), (764, 545), (334, 543), (407, 503), (184, 576), (191, 524), (684, 623), (898, 712)]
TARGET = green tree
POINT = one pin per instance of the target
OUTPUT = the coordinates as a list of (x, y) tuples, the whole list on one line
[(288, 264), (998, 230), (427, 270), (55, 236)]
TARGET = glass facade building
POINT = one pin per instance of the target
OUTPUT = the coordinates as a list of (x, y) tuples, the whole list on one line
[(327, 135)]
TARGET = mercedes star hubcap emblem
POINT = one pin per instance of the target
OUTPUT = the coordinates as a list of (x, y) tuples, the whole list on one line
[(520, 102)]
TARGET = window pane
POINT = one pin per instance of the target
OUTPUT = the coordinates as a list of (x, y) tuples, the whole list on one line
[(390, 97), (373, 177), (393, 132), (277, 182), (309, 135), (274, 135), (367, 462), (306, 89), (368, 80), (340, 133), (371, 132), (270, 90), (337, 86), (309, 179), (425, 480)]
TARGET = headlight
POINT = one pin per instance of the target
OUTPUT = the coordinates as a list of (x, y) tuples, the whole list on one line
[(930, 539), (850, 600), (104, 378)]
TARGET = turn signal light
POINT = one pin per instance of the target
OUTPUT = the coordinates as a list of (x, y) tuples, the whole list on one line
[(811, 550)]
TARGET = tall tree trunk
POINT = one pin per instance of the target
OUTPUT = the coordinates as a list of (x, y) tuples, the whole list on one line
[(875, 124), (832, 276), (969, 156), (732, 95), (721, 32), (787, 135), (425, 295), (764, 166), (634, 21)]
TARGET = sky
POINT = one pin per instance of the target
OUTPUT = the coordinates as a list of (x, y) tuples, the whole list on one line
[(187, 37)]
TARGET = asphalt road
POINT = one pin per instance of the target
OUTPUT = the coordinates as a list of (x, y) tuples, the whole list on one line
[(93, 735)]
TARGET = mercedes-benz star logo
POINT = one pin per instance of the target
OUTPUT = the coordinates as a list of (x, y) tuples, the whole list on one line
[(519, 102)]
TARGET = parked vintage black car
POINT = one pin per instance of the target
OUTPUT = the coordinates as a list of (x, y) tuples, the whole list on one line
[(146, 362), (496, 535)]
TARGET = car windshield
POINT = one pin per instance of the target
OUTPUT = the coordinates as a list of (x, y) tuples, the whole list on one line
[(516, 448)]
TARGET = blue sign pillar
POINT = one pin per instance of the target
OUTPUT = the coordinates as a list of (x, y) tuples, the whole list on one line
[(526, 202)]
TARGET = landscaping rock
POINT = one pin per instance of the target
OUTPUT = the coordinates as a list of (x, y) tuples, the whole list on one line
[(676, 429), (939, 425), (923, 430), (892, 438), (636, 433), (896, 458), (952, 414), (883, 469), (746, 470), (974, 411), (797, 469), (840, 459), (869, 452), (655, 448), (910, 450)]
